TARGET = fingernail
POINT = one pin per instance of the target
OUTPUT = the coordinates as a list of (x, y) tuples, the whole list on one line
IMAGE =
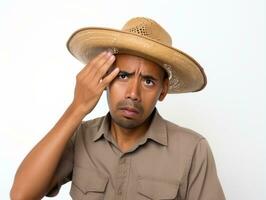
[(109, 53), (112, 57)]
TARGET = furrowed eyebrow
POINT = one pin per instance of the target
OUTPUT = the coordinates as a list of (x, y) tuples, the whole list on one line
[(126, 73), (142, 75), (149, 77)]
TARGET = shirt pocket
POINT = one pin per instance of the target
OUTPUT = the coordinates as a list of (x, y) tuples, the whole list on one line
[(156, 189), (88, 184)]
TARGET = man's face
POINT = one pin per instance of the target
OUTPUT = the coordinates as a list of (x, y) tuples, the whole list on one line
[(133, 94)]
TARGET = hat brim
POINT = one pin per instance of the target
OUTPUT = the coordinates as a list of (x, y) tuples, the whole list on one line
[(186, 75)]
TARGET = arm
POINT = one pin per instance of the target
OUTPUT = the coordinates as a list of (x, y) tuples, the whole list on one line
[(35, 176)]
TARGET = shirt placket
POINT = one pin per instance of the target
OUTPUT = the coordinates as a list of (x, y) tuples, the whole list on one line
[(122, 177)]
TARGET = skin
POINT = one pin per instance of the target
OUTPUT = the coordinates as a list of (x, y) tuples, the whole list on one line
[(131, 101)]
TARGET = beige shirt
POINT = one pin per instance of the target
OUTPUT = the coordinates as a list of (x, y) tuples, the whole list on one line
[(170, 162)]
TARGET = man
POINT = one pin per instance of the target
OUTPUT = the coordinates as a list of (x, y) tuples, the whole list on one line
[(132, 152)]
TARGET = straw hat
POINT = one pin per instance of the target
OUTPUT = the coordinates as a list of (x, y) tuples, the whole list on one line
[(145, 38)]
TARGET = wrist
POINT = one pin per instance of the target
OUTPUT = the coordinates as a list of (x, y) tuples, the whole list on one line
[(77, 110)]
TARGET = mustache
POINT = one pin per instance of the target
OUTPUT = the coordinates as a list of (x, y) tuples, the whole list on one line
[(130, 104)]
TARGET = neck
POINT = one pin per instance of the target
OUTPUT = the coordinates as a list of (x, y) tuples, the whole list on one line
[(126, 138)]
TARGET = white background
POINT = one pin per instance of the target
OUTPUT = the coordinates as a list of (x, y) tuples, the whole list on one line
[(37, 77)]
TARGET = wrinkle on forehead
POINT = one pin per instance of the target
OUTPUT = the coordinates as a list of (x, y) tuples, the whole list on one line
[(138, 65)]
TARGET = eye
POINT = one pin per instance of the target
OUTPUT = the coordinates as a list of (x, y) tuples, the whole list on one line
[(149, 82), (122, 76)]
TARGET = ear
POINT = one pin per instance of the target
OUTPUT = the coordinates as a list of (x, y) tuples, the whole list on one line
[(164, 90)]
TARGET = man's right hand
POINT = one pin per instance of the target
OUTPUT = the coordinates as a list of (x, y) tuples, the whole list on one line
[(92, 80)]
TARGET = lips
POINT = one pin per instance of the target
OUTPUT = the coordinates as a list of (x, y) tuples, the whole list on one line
[(129, 112)]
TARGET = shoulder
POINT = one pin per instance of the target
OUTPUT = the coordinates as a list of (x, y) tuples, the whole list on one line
[(184, 140), (183, 134), (90, 128)]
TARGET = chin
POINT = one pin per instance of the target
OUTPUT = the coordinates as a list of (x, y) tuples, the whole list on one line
[(127, 123)]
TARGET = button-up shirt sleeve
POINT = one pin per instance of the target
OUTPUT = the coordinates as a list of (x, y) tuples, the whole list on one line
[(203, 183)]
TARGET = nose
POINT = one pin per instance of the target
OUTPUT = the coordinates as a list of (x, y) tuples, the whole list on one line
[(133, 89)]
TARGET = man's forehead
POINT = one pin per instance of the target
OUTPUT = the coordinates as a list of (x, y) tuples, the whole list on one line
[(132, 63)]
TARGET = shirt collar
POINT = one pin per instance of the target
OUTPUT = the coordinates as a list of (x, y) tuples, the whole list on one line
[(104, 128), (156, 132)]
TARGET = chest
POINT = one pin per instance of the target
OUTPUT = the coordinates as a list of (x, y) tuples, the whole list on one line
[(151, 171)]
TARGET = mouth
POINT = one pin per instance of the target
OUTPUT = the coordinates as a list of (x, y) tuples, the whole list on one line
[(129, 112)]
